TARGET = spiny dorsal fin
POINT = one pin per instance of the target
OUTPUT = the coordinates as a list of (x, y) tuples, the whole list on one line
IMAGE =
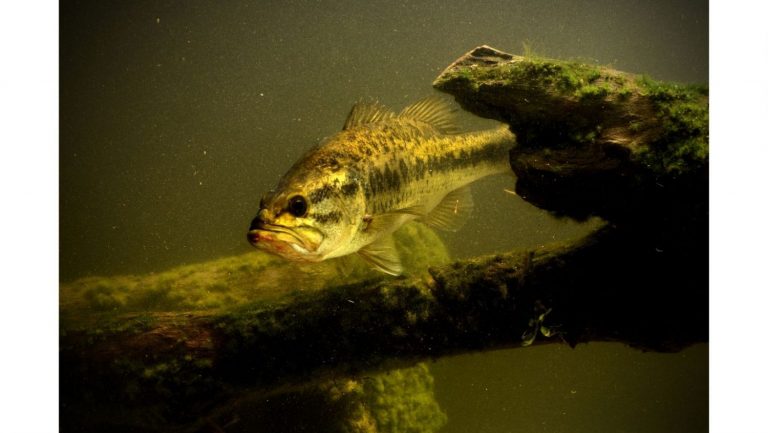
[(364, 112), (451, 213), (434, 111), (382, 255)]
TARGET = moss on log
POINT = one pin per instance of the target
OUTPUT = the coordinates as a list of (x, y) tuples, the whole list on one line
[(396, 401), (591, 140), (162, 369), (157, 352), (189, 349)]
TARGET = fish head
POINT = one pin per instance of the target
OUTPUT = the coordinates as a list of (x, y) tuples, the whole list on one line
[(308, 218)]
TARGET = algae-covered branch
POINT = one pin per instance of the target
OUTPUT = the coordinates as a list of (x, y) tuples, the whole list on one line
[(591, 140), (189, 349), (594, 141)]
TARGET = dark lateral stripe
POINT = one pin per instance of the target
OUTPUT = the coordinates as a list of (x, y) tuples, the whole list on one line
[(380, 181), (466, 158), (404, 170), (330, 217), (393, 176)]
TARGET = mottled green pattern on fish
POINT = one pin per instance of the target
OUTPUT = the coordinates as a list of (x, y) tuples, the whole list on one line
[(381, 171), (398, 163)]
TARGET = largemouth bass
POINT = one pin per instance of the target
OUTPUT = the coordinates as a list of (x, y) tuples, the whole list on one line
[(351, 191)]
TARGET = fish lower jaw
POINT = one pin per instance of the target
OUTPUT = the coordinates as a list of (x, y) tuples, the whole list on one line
[(290, 251), (283, 245), (299, 249)]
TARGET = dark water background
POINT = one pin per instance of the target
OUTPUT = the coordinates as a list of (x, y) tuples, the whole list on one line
[(177, 116)]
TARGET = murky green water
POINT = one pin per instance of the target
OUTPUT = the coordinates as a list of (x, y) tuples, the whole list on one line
[(595, 387), (176, 117)]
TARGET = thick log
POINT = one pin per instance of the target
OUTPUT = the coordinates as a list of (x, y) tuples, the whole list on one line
[(592, 140), (166, 368)]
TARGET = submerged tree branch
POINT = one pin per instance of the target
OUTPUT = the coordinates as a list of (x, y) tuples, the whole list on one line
[(185, 363), (591, 140)]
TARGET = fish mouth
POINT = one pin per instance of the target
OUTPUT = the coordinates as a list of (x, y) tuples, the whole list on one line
[(284, 241)]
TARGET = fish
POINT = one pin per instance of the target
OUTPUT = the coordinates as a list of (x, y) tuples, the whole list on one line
[(350, 192)]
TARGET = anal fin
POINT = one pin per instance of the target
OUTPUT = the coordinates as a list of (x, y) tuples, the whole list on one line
[(453, 211), (382, 255)]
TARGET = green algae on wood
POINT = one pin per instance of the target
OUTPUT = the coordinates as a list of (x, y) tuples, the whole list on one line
[(589, 137), (231, 281), (550, 102), (681, 142), (179, 365), (394, 401), (149, 349)]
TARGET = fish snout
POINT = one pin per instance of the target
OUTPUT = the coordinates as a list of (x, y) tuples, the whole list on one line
[(253, 237), (257, 224)]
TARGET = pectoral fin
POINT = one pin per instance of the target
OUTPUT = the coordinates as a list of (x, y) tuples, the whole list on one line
[(383, 256), (453, 211), (390, 221)]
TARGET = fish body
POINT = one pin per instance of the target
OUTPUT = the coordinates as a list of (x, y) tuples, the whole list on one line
[(349, 193)]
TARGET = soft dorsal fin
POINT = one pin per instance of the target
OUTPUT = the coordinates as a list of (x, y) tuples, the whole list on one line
[(435, 111), (453, 211), (365, 112), (382, 255)]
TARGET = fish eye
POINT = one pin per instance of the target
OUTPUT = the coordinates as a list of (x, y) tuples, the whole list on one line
[(297, 206)]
